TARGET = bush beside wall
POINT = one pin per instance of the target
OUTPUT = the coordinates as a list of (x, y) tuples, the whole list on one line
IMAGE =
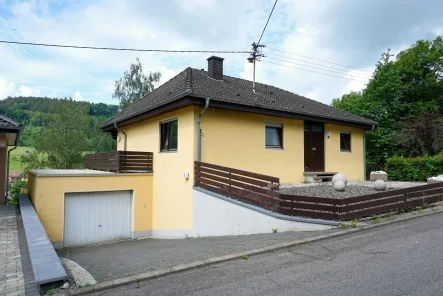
[(15, 190), (414, 168)]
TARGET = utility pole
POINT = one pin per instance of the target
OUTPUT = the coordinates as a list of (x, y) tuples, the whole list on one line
[(256, 55)]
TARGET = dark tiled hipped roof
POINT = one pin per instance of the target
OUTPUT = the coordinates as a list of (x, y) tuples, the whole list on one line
[(6, 122), (196, 83)]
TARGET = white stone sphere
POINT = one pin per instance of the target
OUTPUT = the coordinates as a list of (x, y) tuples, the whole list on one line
[(339, 185), (380, 185), (339, 177)]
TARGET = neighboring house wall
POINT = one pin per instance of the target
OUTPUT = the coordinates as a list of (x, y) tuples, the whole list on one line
[(3, 166), (172, 203), (351, 164), (48, 195), (237, 139)]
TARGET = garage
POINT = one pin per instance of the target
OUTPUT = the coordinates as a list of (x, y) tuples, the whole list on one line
[(95, 217)]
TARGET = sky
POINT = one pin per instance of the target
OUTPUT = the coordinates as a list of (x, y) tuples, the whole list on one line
[(303, 36)]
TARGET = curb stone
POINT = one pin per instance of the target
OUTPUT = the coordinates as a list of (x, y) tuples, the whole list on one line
[(198, 264)]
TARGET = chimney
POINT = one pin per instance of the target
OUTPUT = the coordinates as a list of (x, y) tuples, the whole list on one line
[(215, 67)]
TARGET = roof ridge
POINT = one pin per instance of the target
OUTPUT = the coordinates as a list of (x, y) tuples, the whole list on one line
[(292, 93), (189, 80)]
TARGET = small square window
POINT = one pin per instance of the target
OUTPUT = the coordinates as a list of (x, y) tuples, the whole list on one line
[(168, 135), (345, 141), (274, 135)]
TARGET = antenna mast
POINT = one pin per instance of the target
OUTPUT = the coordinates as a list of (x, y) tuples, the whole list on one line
[(256, 55)]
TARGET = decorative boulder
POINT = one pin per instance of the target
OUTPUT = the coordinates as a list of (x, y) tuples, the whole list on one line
[(339, 177), (339, 185), (437, 179), (380, 185), (378, 175)]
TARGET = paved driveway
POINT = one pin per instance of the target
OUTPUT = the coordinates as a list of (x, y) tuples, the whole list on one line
[(16, 275), (116, 260)]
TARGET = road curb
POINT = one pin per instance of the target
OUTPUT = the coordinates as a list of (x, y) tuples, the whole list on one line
[(198, 264)]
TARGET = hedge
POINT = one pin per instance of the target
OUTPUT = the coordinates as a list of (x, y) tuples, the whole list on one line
[(414, 168)]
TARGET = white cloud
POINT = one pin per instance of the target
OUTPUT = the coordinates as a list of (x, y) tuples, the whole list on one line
[(77, 96), (167, 74), (9, 89), (315, 28)]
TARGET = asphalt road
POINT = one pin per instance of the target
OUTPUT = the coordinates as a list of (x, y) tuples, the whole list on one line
[(400, 259)]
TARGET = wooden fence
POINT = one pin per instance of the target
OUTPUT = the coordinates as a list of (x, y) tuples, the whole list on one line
[(120, 162), (251, 188), (263, 191)]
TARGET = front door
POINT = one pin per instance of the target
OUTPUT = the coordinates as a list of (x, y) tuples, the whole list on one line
[(314, 147)]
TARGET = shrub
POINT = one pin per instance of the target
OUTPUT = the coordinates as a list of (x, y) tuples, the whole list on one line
[(16, 190), (414, 168)]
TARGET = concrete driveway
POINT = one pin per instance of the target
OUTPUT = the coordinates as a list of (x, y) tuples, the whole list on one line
[(116, 260)]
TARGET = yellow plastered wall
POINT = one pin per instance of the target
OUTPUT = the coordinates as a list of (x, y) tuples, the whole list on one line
[(237, 139), (172, 202), (351, 164), (47, 195)]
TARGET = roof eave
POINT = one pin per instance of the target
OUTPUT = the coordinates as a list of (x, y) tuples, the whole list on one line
[(187, 100), (183, 101)]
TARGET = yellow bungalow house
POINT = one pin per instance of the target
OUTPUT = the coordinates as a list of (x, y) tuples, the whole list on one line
[(207, 116)]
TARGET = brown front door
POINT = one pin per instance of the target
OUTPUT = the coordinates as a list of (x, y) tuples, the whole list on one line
[(314, 147)]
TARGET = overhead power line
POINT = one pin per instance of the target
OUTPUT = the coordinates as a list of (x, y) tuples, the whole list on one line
[(121, 49), (296, 54), (312, 67), (267, 22), (312, 71), (309, 64)]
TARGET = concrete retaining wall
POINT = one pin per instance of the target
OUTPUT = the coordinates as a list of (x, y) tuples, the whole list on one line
[(215, 215)]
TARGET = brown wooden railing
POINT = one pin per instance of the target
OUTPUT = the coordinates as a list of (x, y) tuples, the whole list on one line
[(251, 188), (120, 162), (263, 191)]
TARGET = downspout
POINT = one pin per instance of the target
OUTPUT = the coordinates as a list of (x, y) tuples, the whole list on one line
[(199, 135), (124, 134), (7, 170)]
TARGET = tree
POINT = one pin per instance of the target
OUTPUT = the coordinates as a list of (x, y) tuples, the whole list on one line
[(420, 136), (33, 160), (134, 84), (64, 140), (405, 96)]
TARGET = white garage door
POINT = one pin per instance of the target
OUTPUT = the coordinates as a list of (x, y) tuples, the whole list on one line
[(93, 217)]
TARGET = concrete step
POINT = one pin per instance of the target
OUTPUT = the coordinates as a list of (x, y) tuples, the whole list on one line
[(318, 177)]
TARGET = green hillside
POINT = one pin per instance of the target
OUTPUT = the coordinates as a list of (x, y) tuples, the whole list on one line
[(15, 164), (33, 113)]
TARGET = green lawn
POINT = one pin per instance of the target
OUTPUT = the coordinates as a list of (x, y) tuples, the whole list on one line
[(15, 164)]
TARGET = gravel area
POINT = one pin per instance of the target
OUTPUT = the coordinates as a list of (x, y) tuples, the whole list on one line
[(80, 276), (327, 190)]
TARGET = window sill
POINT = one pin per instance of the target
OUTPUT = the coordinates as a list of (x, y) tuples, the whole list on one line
[(168, 151), (348, 151), (275, 148)]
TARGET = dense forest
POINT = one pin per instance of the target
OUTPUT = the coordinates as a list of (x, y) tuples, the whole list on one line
[(35, 113)]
